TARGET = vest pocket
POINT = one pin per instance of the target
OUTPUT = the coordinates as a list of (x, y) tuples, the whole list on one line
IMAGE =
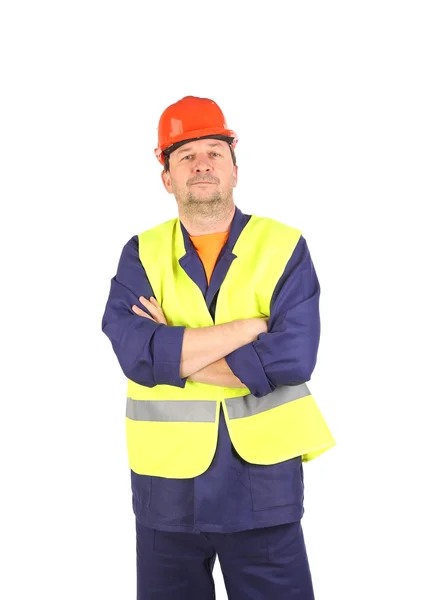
[(276, 485)]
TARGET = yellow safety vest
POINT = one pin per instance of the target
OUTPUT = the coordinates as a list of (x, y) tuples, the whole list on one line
[(171, 431)]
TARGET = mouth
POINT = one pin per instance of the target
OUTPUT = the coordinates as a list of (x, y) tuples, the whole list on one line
[(203, 183)]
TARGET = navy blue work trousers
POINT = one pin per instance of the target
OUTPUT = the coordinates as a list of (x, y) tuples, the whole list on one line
[(268, 563)]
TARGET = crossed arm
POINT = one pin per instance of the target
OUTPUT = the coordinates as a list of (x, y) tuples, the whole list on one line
[(217, 373), (236, 354), (204, 349)]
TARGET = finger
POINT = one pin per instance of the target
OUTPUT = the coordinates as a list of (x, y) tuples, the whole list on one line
[(155, 304), (160, 310), (139, 311), (151, 304), (154, 308), (146, 303), (149, 307)]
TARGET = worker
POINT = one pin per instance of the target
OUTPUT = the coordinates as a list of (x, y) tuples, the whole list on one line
[(214, 318)]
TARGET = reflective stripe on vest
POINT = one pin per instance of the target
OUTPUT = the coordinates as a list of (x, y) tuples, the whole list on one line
[(167, 410), (172, 431), (245, 406), (205, 410)]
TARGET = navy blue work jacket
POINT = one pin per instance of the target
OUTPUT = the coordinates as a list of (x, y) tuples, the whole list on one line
[(232, 494)]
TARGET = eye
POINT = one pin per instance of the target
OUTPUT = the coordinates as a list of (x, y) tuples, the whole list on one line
[(188, 155)]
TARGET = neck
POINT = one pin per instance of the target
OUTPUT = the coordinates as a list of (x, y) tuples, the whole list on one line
[(204, 224)]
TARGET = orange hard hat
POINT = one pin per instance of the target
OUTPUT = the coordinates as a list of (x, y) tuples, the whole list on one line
[(189, 119)]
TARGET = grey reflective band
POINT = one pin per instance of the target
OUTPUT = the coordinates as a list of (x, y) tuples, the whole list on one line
[(246, 406), (204, 411), (172, 410)]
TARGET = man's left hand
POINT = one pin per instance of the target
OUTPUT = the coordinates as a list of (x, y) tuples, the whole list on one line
[(153, 307)]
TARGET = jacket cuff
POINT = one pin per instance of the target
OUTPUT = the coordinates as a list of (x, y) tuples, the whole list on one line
[(246, 365), (167, 342)]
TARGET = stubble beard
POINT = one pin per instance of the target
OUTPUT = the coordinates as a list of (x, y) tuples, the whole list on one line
[(212, 206)]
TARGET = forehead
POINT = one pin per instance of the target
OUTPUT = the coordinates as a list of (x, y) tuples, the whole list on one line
[(198, 145)]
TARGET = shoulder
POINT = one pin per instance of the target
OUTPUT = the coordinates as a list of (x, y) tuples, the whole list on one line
[(157, 229), (131, 248), (274, 225)]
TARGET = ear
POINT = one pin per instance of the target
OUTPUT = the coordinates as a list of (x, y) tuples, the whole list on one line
[(167, 182), (235, 170)]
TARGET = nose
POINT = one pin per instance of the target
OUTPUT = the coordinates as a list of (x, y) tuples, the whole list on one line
[(202, 164)]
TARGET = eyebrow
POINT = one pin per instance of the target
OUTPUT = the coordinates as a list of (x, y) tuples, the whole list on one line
[(188, 148)]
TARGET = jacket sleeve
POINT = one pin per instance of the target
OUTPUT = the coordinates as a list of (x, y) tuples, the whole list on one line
[(149, 353), (287, 354)]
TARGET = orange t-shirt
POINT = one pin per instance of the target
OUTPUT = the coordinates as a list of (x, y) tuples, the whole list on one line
[(208, 247)]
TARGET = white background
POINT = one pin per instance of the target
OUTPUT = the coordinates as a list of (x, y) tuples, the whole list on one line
[(330, 101)]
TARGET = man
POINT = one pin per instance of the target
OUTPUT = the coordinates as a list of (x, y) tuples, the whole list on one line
[(214, 319)]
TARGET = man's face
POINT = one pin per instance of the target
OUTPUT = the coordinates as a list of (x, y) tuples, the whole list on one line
[(202, 177)]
